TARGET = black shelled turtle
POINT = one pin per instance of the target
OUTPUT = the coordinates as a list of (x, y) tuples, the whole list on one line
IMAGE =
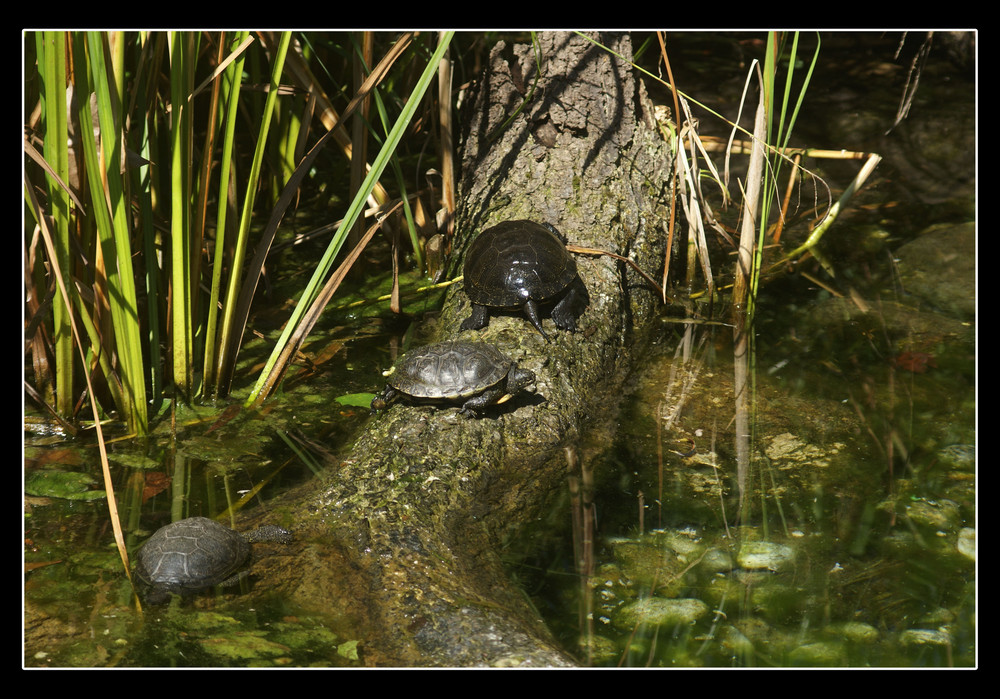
[(195, 553), (519, 265), (474, 375)]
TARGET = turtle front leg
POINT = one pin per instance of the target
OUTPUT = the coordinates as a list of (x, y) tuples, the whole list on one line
[(383, 399), (476, 404)]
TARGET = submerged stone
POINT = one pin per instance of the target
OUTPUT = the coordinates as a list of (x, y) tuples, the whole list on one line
[(940, 514), (820, 654), (921, 637), (854, 631), (765, 555), (655, 611), (967, 542)]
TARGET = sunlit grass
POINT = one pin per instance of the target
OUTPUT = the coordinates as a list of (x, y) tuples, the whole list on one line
[(138, 145)]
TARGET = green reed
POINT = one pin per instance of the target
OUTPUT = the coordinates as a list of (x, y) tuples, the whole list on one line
[(131, 145)]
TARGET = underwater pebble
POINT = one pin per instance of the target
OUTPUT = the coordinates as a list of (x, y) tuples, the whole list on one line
[(765, 555), (942, 515), (716, 561), (732, 638), (937, 618), (650, 566), (685, 542), (820, 654), (925, 637), (958, 455), (967, 542), (854, 631), (939, 267), (656, 611), (788, 450)]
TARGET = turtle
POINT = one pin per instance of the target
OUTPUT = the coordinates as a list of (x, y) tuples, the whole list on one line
[(195, 553), (475, 375), (519, 265)]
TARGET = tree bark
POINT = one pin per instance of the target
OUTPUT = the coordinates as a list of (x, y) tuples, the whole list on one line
[(402, 540)]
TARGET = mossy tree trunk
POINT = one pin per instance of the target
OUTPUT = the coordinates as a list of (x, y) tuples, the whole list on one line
[(402, 540)]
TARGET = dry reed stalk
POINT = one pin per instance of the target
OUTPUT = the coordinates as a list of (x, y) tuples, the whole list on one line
[(742, 313)]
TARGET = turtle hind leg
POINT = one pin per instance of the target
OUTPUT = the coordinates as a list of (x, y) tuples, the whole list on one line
[(234, 579), (479, 318)]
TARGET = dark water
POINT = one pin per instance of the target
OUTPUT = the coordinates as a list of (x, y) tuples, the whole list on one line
[(862, 487), (858, 543)]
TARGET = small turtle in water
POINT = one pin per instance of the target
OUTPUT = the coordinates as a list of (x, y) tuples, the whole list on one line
[(196, 553), (519, 265), (475, 375)]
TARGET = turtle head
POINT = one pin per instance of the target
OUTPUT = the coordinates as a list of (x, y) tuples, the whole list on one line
[(518, 379)]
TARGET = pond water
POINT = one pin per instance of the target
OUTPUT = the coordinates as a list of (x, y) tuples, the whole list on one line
[(858, 544), (857, 547), (79, 607)]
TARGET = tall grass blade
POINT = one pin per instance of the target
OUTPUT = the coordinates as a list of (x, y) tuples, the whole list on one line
[(183, 55), (232, 320), (258, 393), (111, 214), (315, 310), (216, 341), (51, 51), (242, 305), (142, 139), (204, 189)]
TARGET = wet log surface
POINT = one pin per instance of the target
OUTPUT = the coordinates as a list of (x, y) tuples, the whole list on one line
[(402, 539)]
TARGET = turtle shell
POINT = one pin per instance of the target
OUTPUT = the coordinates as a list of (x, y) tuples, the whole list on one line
[(475, 374), (519, 264), (198, 552)]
